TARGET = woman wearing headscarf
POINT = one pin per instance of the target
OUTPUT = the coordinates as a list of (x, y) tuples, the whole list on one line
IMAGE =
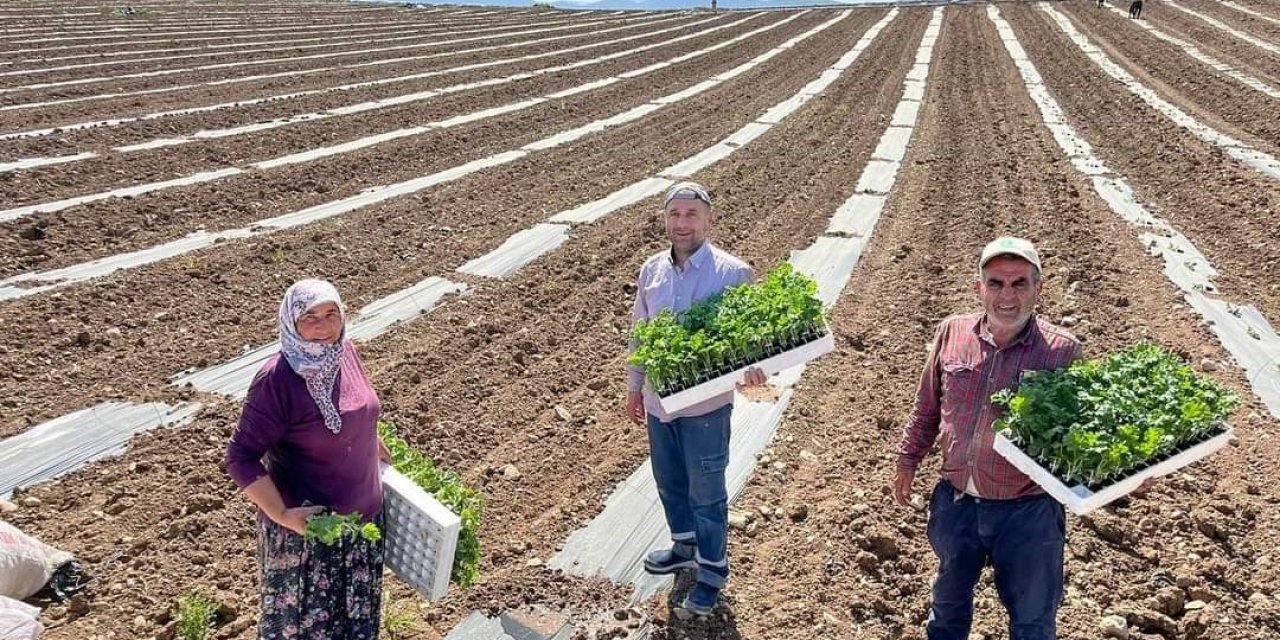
[(311, 416)]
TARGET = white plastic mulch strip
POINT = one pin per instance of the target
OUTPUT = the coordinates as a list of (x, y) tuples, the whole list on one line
[(1244, 9), (648, 187), (368, 141), (1242, 329), (53, 448), (232, 378), (384, 38), (615, 542), (1222, 26), (136, 190), (1258, 160), (633, 22), (517, 251), (136, 35), (31, 163), (1217, 65), (509, 625), (351, 109), (111, 122), (233, 34), (422, 30), (634, 508), (894, 144), (316, 56), (52, 279)]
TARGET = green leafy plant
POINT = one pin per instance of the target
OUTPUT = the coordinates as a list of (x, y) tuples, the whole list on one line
[(447, 487), (726, 332), (195, 615), (329, 529), (398, 620), (1100, 420)]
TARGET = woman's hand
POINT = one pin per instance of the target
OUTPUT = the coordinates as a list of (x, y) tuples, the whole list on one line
[(384, 454), (295, 519)]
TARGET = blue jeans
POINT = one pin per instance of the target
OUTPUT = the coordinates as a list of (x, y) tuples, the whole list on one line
[(1022, 539), (689, 457)]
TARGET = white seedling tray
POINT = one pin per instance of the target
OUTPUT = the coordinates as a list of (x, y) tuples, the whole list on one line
[(727, 382), (1079, 499), (421, 535)]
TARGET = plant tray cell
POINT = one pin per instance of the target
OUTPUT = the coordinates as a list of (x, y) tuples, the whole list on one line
[(421, 535), (727, 382), (1080, 499)]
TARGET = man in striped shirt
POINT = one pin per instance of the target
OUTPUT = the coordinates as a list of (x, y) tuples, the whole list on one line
[(983, 510)]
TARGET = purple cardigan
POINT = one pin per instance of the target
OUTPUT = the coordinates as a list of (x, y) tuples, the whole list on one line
[(282, 427)]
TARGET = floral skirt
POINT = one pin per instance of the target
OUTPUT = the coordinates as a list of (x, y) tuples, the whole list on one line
[(311, 591)]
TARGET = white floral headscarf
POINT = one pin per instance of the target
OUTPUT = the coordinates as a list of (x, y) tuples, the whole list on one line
[(316, 362)]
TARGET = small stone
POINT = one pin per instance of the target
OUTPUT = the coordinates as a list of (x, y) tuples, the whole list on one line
[(1258, 596), (1069, 321), (738, 520), (533, 562), (564, 414), (140, 623), (6, 506), (1114, 627), (1196, 605), (1200, 593), (79, 605), (31, 501), (1208, 364), (1169, 601), (510, 472), (867, 560), (798, 513), (203, 503)]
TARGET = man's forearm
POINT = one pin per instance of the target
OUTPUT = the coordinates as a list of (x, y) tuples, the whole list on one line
[(917, 439)]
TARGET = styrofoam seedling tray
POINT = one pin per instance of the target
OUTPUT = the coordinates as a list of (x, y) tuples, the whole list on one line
[(727, 382), (1079, 498), (421, 535)]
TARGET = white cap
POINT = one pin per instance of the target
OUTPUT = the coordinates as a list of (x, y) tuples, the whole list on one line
[(1009, 246)]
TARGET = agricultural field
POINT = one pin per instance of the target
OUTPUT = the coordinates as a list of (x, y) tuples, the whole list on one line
[(482, 185)]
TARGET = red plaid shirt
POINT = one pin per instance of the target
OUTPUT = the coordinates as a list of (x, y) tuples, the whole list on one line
[(954, 399)]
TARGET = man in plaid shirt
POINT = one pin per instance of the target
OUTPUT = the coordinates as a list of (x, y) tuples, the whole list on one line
[(983, 510)]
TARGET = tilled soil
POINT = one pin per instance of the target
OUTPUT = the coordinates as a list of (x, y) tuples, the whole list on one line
[(1213, 98), (476, 383), (426, 234), (130, 103), (535, 358), (1220, 44), (115, 170), (1227, 209), (827, 553), (1251, 24), (102, 138), (22, 92), (119, 225)]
